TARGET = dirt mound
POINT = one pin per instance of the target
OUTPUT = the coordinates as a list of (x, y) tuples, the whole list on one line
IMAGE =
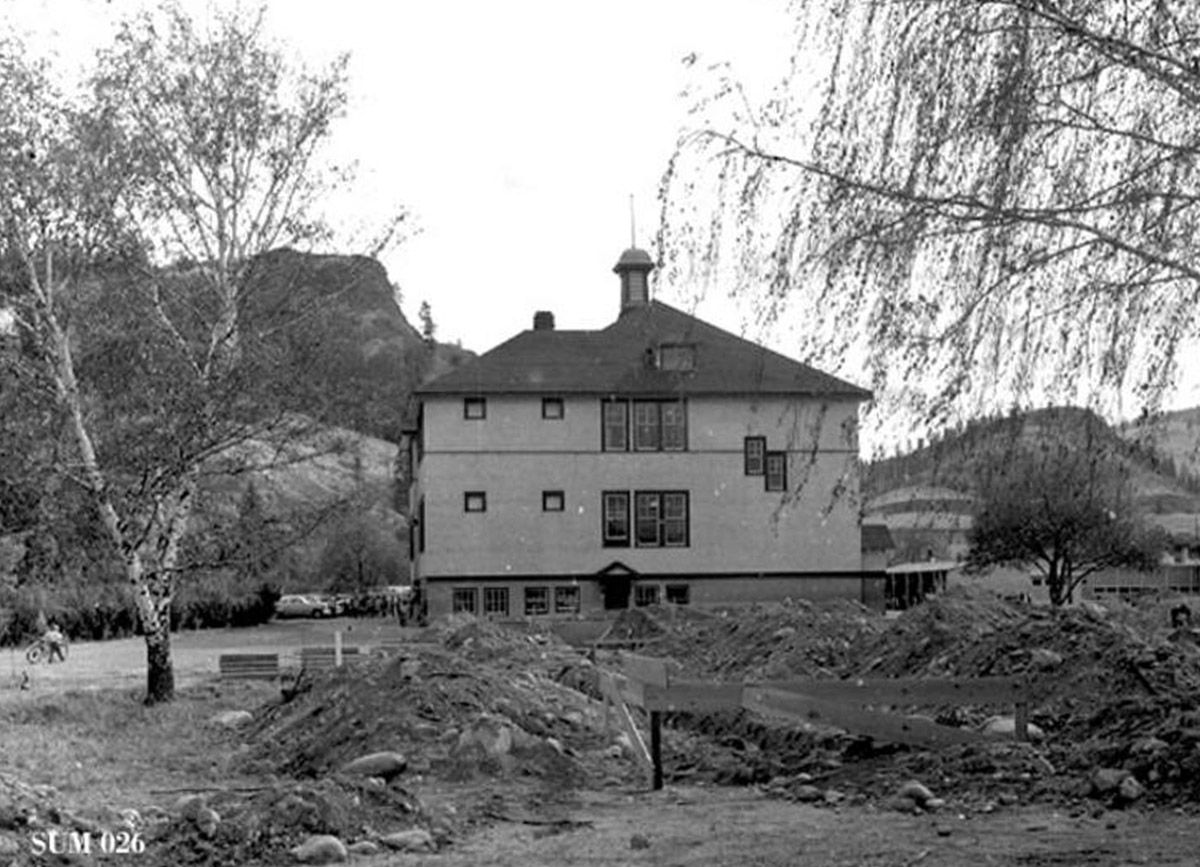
[(452, 717), (771, 642)]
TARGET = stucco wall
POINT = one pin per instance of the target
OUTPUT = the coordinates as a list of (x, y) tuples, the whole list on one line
[(735, 525)]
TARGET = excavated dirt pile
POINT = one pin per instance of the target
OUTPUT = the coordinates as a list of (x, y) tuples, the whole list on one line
[(1114, 696), (769, 642)]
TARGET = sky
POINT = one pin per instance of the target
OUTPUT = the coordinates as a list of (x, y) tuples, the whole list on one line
[(515, 132)]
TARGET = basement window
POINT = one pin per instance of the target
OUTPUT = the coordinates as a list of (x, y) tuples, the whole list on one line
[(566, 600), (645, 594), (537, 601), (465, 600), (678, 594), (495, 601)]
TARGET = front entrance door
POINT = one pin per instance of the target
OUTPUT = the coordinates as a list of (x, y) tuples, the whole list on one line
[(616, 592)]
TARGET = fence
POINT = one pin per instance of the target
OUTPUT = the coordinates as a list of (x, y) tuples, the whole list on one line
[(857, 706)]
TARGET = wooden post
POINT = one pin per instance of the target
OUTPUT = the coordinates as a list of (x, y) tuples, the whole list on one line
[(337, 649), (1021, 721), (656, 748)]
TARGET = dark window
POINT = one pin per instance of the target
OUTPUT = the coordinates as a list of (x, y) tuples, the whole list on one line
[(566, 600), (553, 501), (421, 525), (474, 407), (495, 600), (616, 518), (475, 501), (537, 601), (756, 454), (645, 594), (677, 356), (465, 600), (552, 407), (678, 594), (661, 519), (776, 471), (615, 430)]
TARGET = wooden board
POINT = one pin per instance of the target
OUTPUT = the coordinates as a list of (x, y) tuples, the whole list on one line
[(882, 692), (692, 697), (611, 691), (646, 669), (886, 727), (248, 666)]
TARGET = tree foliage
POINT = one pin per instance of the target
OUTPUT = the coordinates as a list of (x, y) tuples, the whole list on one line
[(982, 198), (198, 146), (1063, 506)]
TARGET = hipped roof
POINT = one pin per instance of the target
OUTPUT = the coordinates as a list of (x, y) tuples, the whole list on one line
[(613, 361)]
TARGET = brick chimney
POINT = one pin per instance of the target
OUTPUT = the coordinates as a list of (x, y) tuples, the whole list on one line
[(634, 269), (543, 320)]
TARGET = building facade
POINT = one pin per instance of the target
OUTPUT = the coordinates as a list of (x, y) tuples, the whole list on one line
[(659, 460)]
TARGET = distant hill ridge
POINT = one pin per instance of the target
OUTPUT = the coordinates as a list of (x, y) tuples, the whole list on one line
[(938, 474)]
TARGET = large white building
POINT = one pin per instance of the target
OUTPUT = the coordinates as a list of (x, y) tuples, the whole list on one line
[(660, 459)]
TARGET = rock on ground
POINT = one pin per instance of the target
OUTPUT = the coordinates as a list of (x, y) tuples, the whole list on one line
[(320, 849)]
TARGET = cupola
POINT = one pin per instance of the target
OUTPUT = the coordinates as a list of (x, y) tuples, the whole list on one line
[(634, 269)]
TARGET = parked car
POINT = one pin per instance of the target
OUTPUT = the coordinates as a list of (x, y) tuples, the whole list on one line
[(295, 605)]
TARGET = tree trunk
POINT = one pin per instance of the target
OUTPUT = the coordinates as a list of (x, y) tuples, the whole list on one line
[(1054, 581), (160, 672)]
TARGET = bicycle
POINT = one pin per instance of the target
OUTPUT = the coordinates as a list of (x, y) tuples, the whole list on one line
[(40, 650)]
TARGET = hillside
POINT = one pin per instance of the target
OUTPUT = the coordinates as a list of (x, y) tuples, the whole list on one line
[(925, 497), (335, 320)]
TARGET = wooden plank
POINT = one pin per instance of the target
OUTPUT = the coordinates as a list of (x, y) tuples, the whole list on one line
[(911, 691), (888, 727), (646, 669), (248, 666), (625, 721), (325, 657), (693, 697), (656, 761)]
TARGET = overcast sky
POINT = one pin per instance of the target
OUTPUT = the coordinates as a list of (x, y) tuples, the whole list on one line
[(515, 131)]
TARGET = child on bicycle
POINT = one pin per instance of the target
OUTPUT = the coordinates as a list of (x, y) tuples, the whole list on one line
[(54, 640)]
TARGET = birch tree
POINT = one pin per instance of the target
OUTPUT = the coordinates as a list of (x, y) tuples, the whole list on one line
[(194, 145), (983, 201)]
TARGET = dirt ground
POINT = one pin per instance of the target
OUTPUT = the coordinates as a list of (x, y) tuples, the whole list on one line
[(101, 750)]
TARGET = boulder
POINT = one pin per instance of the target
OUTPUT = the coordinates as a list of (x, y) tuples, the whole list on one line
[(189, 806), (1106, 781), (1045, 659), (9, 846), (412, 840), (1130, 789), (206, 821), (232, 719), (364, 847), (915, 792), (494, 736), (384, 765), (1007, 725), (320, 849), (807, 794)]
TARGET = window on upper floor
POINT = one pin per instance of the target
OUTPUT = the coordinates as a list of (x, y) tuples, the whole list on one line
[(776, 471), (755, 454), (614, 431), (553, 501), (552, 408), (661, 519), (475, 408), (659, 425), (475, 501), (616, 519)]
